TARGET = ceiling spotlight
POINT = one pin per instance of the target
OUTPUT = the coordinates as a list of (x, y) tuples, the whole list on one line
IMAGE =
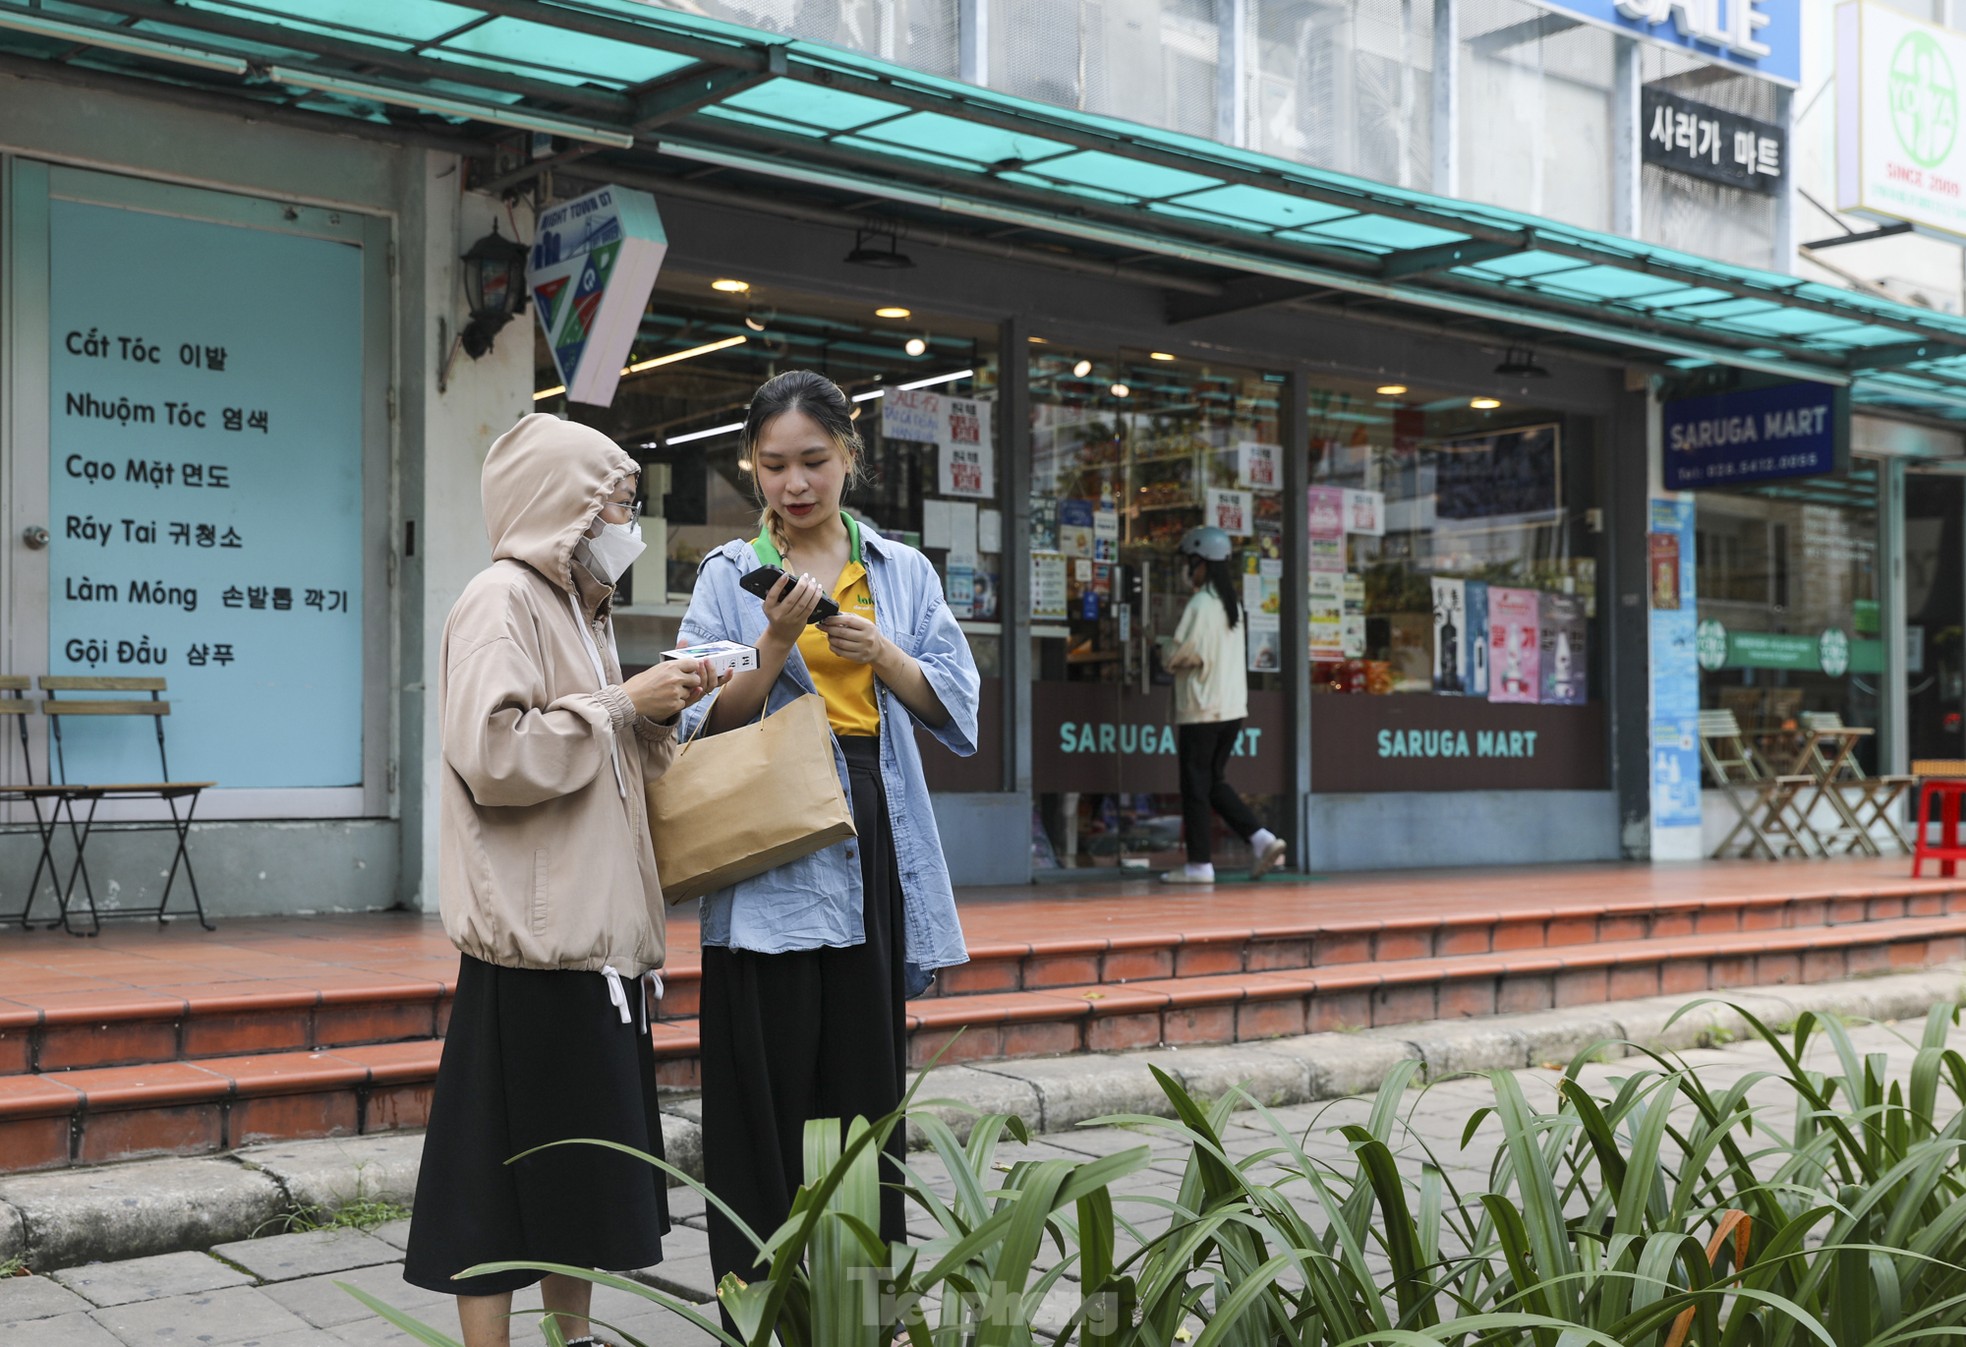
[(1037, 341), (916, 346), (1159, 355), (1083, 368), (725, 285), (1520, 363), (866, 254), (1120, 390), (1485, 404), (893, 311), (1391, 390)]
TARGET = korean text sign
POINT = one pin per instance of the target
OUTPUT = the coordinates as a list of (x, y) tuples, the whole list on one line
[(1711, 143), (1755, 435), (205, 493)]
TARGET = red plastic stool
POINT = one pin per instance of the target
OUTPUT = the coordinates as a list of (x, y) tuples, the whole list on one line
[(1945, 781)]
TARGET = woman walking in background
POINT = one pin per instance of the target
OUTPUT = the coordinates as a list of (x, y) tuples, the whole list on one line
[(1211, 700), (806, 968), (548, 888)]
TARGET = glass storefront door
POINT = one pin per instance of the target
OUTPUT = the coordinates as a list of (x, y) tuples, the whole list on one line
[(1935, 616), (1129, 453), (1787, 586)]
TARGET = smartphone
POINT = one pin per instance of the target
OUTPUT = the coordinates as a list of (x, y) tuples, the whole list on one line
[(760, 582)]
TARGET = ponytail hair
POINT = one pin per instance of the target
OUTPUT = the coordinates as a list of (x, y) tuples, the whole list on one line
[(1222, 579), (815, 396)]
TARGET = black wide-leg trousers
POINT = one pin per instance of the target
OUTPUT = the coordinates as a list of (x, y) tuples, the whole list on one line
[(1203, 754), (808, 1034)]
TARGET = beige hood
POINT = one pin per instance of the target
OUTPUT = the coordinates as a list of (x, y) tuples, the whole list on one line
[(545, 480)]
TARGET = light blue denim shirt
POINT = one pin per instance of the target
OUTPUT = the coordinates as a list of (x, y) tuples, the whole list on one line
[(815, 901)]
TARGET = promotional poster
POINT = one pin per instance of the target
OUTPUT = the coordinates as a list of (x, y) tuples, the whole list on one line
[(1514, 645)]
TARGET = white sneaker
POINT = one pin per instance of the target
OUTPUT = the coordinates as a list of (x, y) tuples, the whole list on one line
[(1181, 876), (1273, 856)]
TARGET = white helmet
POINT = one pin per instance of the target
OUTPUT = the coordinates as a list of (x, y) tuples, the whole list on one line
[(1210, 544)]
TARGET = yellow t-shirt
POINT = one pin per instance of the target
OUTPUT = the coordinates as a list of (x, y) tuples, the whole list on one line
[(851, 707)]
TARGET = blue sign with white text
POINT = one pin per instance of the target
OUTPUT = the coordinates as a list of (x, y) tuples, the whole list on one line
[(1762, 37), (1754, 435)]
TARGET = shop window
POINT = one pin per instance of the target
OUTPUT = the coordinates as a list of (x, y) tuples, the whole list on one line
[(1129, 452), (1453, 595), (1786, 583), (924, 390)]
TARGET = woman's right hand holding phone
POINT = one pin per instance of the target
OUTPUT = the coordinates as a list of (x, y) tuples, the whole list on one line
[(789, 607)]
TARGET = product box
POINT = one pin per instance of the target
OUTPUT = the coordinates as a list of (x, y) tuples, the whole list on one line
[(719, 656)]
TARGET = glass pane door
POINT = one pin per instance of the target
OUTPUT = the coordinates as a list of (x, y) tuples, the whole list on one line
[(1128, 454)]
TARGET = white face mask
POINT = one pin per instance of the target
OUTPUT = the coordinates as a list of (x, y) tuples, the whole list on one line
[(611, 552)]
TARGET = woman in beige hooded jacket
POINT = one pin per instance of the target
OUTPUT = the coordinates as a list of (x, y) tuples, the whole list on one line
[(549, 890)]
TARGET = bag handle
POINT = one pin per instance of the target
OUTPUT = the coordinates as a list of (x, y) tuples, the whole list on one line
[(763, 710)]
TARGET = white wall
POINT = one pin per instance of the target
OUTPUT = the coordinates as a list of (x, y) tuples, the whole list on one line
[(455, 426)]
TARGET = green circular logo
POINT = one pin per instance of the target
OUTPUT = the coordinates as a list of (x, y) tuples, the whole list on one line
[(1833, 649), (1924, 99), (1710, 644)]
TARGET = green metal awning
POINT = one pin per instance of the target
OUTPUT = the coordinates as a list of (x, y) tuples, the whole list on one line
[(632, 87)]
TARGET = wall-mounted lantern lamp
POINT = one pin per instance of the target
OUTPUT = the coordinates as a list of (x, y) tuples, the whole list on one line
[(494, 287)]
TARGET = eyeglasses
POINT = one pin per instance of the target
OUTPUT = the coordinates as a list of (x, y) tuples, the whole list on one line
[(633, 507)]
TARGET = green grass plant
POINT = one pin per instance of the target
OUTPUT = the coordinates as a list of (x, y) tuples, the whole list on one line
[(1654, 1201)]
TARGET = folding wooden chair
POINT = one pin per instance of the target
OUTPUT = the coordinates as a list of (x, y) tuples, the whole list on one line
[(14, 703), (1764, 800), (1877, 796), (73, 799)]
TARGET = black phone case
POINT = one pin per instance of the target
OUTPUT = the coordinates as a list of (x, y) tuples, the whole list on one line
[(759, 582)]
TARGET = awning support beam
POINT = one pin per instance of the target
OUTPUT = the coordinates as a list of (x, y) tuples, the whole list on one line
[(1446, 256)]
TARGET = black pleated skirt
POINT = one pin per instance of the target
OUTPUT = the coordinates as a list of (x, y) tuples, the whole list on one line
[(816, 1033), (534, 1056)]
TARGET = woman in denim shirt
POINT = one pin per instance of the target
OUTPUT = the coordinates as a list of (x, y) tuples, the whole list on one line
[(807, 968)]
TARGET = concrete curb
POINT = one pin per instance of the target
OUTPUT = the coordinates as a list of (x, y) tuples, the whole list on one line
[(64, 1218)]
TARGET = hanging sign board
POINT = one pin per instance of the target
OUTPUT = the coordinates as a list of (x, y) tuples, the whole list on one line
[(1759, 37), (594, 261), (1756, 435), (1899, 154), (1711, 143)]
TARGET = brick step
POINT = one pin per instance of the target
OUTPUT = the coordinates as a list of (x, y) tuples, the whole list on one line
[(95, 1115), (72, 1030), (77, 1030), (1146, 955), (1234, 1007), (89, 1115)]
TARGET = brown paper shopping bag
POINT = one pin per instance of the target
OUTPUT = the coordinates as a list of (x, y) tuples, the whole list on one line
[(736, 804)]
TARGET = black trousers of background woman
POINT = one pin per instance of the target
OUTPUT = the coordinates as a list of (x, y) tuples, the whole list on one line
[(1203, 753)]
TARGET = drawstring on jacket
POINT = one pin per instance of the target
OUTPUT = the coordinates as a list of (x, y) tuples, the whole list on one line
[(650, 981)]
